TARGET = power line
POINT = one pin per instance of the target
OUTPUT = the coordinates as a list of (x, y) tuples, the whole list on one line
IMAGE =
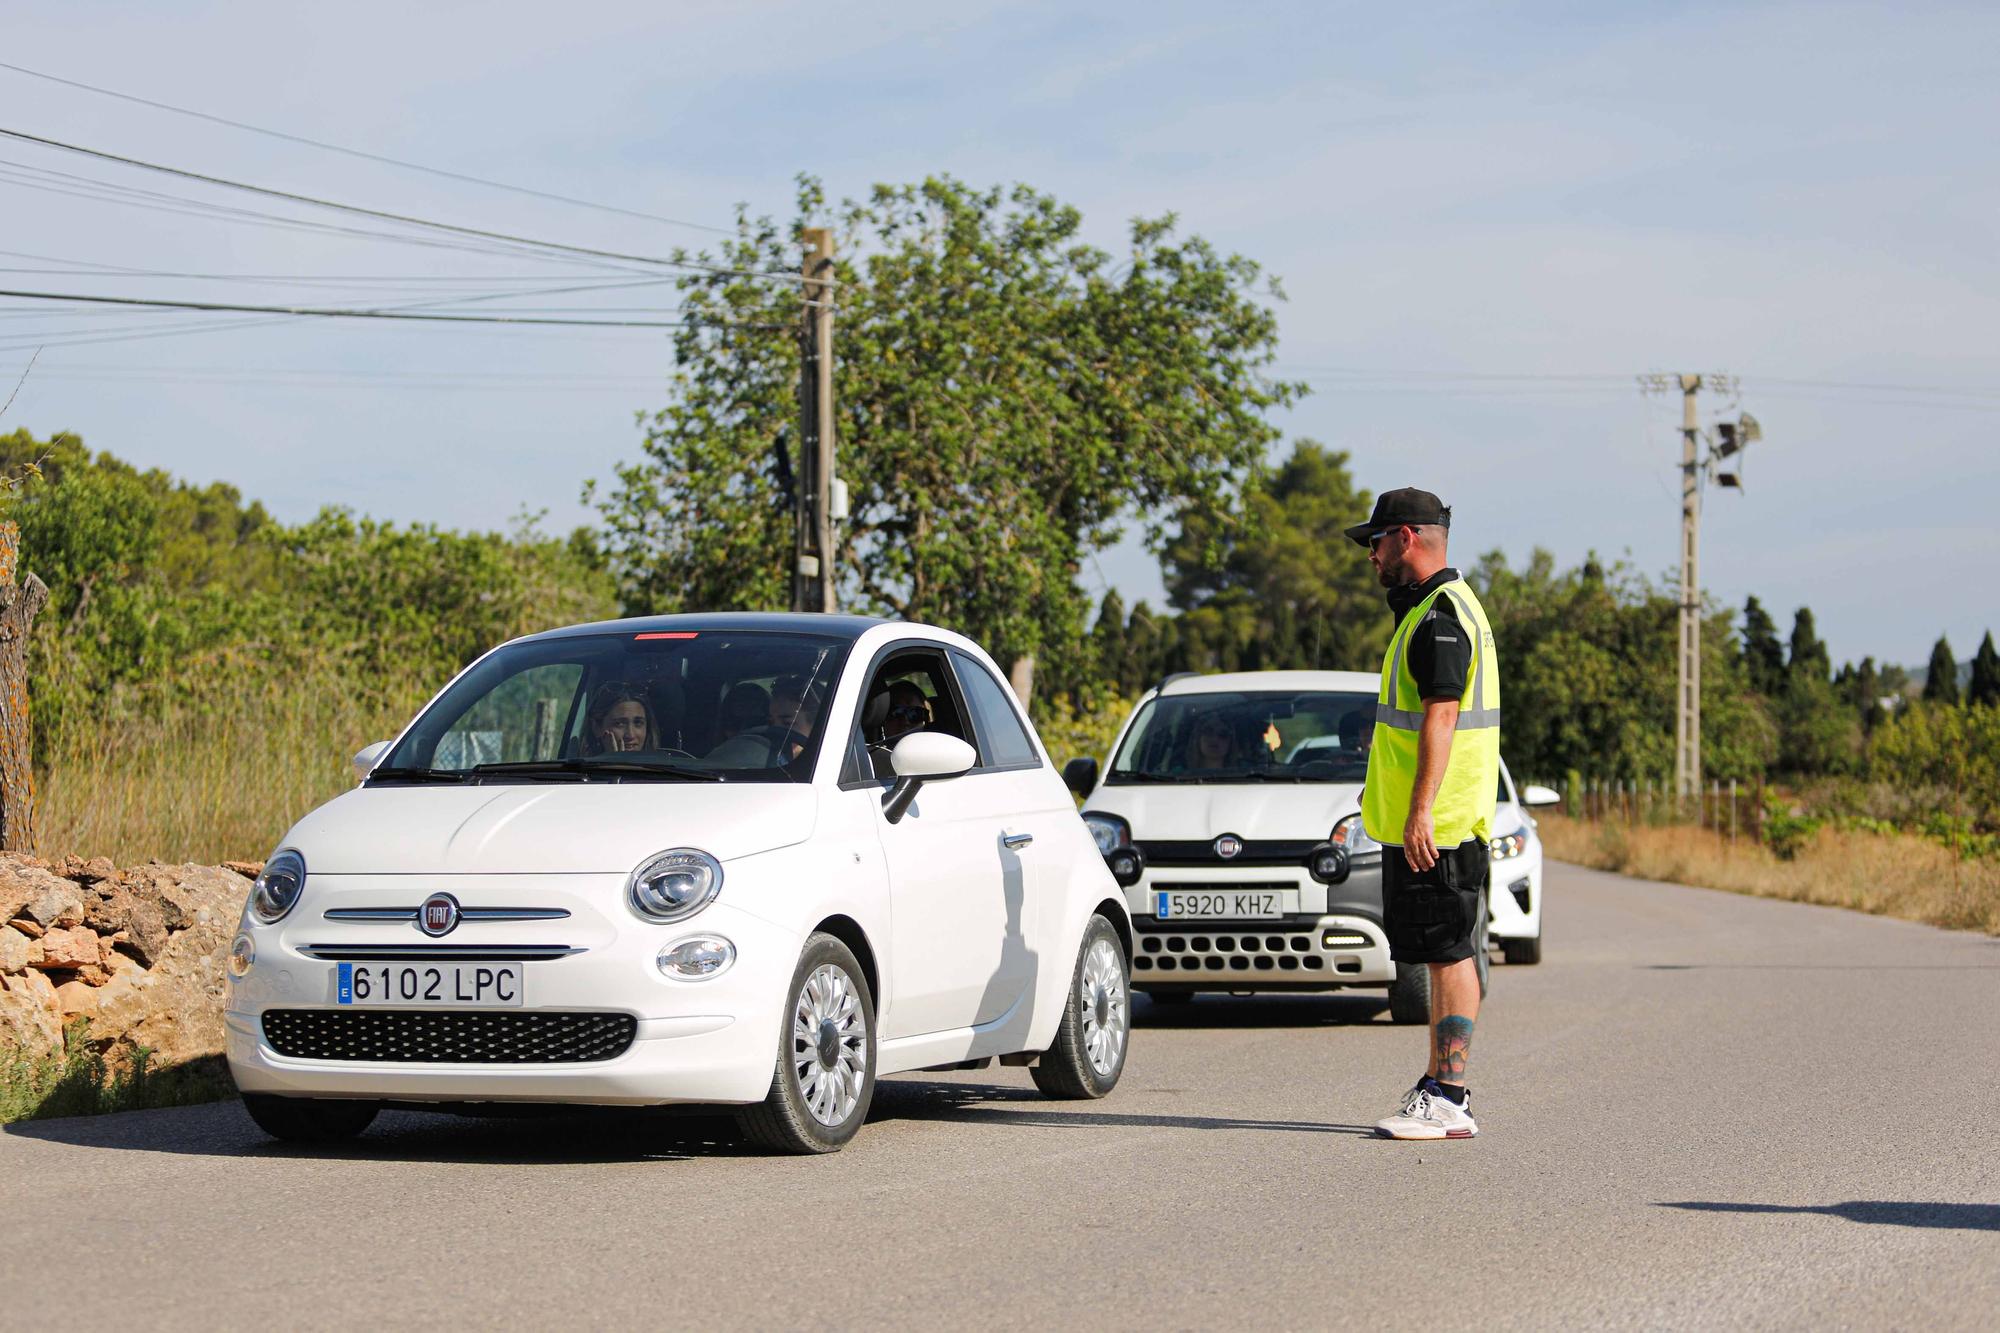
[(367, 156), (182, 205), (404, 218), (332, 313)]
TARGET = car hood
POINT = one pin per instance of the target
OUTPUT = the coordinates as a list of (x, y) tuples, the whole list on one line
[(546, 828), (1293, 811)]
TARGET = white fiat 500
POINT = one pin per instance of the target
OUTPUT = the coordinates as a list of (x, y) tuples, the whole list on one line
[(750, 860)]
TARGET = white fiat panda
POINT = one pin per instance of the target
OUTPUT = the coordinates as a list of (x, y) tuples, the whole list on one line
[(1230, 814)]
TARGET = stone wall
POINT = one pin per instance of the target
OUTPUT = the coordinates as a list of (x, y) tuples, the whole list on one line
[(138, 951)]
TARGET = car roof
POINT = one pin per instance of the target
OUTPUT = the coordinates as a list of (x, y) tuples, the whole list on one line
[(1230, 682), (848, 628)]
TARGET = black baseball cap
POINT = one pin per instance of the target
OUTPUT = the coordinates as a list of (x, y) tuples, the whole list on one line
[(1395, 508)]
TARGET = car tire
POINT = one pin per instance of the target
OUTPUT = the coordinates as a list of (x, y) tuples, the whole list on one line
[(1096, 1030), (309, 1119), (1410, 997), (1484, 953), (824, 1078), (1521, 951)]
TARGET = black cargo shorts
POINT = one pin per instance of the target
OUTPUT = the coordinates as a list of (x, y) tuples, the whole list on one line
[(1429, 916)]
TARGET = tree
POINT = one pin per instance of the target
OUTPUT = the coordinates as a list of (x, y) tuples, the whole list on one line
[(1279, 585), (1763, 654), (1808, 659), (1107, 640), (1006, 395), (1985, 685), (1587, 665), (1941, 680)]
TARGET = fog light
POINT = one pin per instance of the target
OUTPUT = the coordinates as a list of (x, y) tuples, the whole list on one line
[(1127, 865), (1328, 863), (242, 956), (697, 958), (1343, 939)]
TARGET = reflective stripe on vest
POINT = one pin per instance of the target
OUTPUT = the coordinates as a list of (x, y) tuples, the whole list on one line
[(1469, 719)]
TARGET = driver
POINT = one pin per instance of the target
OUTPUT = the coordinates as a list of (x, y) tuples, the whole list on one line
[(909, 710)]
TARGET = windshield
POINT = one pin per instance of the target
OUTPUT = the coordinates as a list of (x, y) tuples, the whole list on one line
[(1249, 737), (700, 705)]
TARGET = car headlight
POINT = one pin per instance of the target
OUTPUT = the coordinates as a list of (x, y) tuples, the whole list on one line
[(1109, 832), (277, 890), (676, 884), (1349, 834), (1509, 845)]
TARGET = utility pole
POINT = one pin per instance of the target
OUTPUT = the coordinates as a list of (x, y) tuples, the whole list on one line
[(815, 503), (1687, 717), (1694, 470)]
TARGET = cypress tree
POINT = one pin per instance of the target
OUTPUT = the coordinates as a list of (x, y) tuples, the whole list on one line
[(1808, 659), (1763, 655), (1941, 680), (1985, 686), (1108, 639), (1142, 645)]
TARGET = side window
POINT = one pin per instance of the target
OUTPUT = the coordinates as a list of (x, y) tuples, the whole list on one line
[(909, 691), (520, 720), (1003, 743)]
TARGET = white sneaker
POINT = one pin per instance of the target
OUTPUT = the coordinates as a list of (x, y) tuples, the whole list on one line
[(1429, 1115)]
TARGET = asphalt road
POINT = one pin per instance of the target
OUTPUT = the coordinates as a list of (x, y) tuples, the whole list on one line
[(1700, 1110)]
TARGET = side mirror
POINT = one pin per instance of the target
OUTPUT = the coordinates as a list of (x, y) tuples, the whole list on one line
[(1080, 776), (1534, 795), (920, 757), (366, 757)]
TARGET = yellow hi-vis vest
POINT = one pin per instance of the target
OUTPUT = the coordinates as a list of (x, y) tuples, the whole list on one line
[(1465, 799)]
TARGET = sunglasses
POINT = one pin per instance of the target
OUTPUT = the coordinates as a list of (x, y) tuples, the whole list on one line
[(1375, 539), (910, 713)]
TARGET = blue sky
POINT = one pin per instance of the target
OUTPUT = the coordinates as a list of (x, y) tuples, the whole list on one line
[(1802, 195)]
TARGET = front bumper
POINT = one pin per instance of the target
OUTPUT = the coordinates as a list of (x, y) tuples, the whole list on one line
[(1334, 939), (713, 1041), (1514, 900)]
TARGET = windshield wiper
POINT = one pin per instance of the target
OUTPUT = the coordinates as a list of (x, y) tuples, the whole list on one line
[(417, 774), (585, 767)]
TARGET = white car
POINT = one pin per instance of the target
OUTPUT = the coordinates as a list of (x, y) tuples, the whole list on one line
[(1230, 812), (748, 860)]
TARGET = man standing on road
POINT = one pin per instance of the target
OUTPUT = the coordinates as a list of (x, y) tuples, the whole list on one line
[(1433, 772)]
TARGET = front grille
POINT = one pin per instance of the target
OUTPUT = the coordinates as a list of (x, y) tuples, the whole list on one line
[(400, 1036), (1259, 851), (1237, 949)]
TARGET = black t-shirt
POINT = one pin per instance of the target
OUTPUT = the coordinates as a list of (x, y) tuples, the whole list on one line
[(1439, 654)]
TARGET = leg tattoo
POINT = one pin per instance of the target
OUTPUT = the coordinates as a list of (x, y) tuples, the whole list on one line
[(1454, 1043)]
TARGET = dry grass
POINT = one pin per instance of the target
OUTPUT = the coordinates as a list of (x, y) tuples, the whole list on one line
[(214, 779), (1886, 874)]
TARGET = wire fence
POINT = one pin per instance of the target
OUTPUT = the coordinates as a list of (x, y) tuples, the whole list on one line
[(1730, 809)]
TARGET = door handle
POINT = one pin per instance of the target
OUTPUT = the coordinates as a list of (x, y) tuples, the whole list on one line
[(1016, 841)]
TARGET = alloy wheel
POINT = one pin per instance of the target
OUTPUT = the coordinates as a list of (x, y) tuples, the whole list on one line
[(1106, 1006), (829, 1044)]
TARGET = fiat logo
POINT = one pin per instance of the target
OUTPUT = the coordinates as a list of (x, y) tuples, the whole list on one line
[(438, 915), (1228, 845)]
